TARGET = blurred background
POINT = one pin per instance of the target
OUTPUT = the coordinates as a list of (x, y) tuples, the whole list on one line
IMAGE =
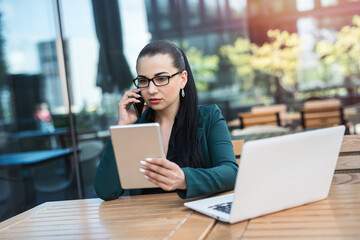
[(64, 66)]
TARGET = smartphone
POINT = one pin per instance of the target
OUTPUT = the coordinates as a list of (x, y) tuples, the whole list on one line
[(139, 106)]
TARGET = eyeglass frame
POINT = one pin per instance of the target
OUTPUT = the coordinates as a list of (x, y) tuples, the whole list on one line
[(152, 80)]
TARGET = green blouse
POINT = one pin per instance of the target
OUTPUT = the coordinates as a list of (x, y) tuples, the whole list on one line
[(218, 175)]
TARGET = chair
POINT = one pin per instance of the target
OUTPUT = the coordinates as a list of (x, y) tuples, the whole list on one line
[(347, 169), (51, 178), (90, 152), (81, 135), (322, 113), (322, 103), (322, 117), (352, 114), (5, 193), (280, 108), (233, 124), (237, 145), (256, 113), (263, 118), (269, 108)]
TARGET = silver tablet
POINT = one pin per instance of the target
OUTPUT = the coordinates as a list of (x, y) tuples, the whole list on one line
[(131, 144)]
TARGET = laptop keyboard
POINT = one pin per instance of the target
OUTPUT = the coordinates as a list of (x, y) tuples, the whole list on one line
[(222, 207)]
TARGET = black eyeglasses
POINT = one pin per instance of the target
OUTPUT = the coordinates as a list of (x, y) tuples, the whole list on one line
[(144, 82)]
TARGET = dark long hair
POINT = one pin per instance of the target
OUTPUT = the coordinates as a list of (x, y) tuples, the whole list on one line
[(185, 129)]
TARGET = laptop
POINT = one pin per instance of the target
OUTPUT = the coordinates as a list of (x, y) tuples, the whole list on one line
[(278, 173)]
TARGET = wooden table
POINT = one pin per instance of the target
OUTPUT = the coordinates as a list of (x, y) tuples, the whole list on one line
[(157, 216), (337, 217), (163, 216)]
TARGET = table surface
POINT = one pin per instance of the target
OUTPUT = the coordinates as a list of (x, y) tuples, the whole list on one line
[(25, 158), (163, 216)]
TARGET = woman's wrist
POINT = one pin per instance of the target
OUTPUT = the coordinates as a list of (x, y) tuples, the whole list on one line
[(121, 123), (183, 186)]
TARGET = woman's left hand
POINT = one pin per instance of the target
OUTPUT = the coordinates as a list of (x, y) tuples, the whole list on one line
[(163, 173)]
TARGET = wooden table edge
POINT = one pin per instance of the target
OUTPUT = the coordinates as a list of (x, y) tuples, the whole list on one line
[(22, 216)]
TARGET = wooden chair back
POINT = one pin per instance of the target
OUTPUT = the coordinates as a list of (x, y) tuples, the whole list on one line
[(322, 117), (322, 103), (253, 119), (269, 108), (237, 145), (81, 136), (233, 124), (347, 169), (280, 108)]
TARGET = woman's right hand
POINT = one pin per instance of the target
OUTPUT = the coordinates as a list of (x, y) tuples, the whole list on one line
[(127, 116)]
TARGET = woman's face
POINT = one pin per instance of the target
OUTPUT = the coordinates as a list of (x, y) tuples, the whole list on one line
[(164, 97)]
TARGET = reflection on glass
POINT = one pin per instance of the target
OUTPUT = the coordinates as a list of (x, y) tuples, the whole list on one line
[(237, 8), (164, 11), (193, 12), (305, 5), (31, 99), (254, 8), (5, 107), (328, 3), (163, 7), (31, 64), (50, 71), (43, 118), (211, 10), (135, 28), (148, 6), (278, 6)]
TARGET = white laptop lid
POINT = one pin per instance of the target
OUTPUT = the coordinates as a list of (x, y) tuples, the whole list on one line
[(282, 172)]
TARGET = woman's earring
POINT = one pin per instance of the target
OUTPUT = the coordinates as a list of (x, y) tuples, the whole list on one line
[(182, 93)]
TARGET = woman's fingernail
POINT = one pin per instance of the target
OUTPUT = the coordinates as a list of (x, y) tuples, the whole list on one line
[(146, 177), (148, 159), (142, 162), (142, 170)]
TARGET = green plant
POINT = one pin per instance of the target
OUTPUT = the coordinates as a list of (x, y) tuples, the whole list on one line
[(344, 52)]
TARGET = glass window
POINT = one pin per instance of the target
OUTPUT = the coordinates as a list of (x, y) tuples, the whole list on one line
[(211, 10), (278, 6), (134, 23), (237, 8), (23, 55), (254, 8), (49, 69), (31, 100), (149, 13), (223, 10), (163, 7), (304, 5), (328, 3), (193, 12), (83, 52)]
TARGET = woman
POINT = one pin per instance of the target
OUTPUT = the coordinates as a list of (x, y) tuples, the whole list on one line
[(199, 154)]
